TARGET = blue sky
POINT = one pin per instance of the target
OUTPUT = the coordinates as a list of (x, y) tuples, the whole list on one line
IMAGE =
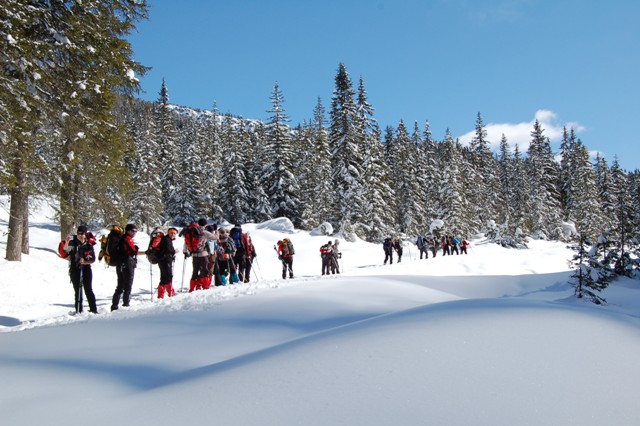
[(573, 63)]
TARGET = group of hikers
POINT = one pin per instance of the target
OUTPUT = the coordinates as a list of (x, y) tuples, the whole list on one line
[(219, 256), (449, 245), (330, 254)]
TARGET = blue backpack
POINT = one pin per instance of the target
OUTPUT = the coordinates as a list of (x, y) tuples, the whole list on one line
[(236, 236)]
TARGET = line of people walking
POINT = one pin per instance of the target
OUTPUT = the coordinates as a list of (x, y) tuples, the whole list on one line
[(219, 257)]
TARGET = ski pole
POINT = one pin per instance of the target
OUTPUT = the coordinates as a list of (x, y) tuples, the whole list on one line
[(80, 288), (151, 279), (184, 265), (258, 264)]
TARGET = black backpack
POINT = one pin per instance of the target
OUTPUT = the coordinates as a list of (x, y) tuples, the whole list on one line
[(111, 249), (153, 252)]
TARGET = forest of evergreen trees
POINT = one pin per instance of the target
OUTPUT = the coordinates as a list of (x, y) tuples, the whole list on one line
[(71, 129)]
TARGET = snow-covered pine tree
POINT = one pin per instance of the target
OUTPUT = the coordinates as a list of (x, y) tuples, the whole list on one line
[(450, 192), (63, 64), (146, 205), (430, 172), (235, 202), (605, 193), (378, 217), (212, 157), (408, 194), (260, 205), (544, 203), (280, 181), (187, 189), (505, 194), (583, 205), (482, 180), (421, 183), (166, 139), (590, 276), (346, 153), (321, 182), (623, 214)]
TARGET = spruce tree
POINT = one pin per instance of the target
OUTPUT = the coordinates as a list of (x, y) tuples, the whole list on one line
[(623, 219), (544, 219), (347, 159), (451, 194), (482, 180), (281, 183), (166, 140)]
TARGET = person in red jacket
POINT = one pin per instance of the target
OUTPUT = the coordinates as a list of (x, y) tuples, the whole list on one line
[(285, 251), (126, 267)]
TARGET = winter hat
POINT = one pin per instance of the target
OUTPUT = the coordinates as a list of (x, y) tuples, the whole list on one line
[(130, 227), (202, 221), (82, 229)]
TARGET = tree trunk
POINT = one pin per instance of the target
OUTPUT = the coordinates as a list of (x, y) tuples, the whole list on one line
[(25, 226), (19, 203), (18, 210)]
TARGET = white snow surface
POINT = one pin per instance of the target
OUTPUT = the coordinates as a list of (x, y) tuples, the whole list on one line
[(494, 337)]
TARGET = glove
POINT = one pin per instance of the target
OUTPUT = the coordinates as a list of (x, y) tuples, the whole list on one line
[(279, 257), (187, 254)]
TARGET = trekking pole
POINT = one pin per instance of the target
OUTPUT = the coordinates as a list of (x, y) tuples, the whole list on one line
[(184, 265), (258, 264), (80, 288), (151, 279)]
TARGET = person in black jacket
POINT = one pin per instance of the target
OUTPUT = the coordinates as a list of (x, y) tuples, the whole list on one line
[(387, 246), (167, 257), (81, 256), (126, 268)]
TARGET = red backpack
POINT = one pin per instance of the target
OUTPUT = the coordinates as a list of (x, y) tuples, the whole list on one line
[(194, 238), (247, 244), (153, 252)]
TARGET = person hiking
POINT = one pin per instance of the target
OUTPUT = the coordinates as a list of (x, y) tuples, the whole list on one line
[(238, 258), (249, 253), (463, 246), (387, 246), (196, 237), (167, 257), (326, 253), (444, 242), (433, 245), (224, 251), (453, 244), (126, 268), (285, 252), (337, 255), (81, 255), (422, 244), (397, 246)]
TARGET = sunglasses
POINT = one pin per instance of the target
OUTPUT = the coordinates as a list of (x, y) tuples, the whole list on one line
[(134, 230)]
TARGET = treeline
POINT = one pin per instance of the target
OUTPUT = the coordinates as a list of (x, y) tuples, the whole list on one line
[(343, 169)]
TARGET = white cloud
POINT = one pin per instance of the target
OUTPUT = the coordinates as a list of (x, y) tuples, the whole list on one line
[(520, 133)]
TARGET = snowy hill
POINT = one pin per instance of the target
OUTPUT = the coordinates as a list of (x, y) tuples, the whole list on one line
[(494, 337)]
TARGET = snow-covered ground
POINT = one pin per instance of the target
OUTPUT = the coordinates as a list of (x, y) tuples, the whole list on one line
[(491, 338)]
